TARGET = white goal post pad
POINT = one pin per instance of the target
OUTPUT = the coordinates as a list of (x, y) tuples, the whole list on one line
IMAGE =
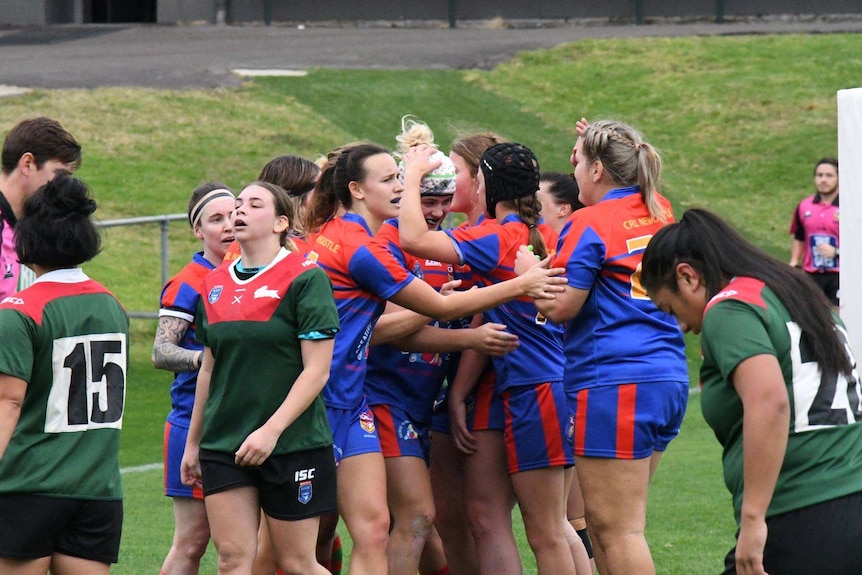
[(850, 182)]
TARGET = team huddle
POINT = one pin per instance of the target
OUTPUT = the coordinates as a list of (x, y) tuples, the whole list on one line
[(339, 353)]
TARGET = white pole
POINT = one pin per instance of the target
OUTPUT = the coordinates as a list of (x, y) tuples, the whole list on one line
[(850, 182)]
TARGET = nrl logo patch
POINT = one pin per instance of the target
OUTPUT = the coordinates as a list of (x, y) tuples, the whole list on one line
[(214, 294), (304, 492), (366, 421)]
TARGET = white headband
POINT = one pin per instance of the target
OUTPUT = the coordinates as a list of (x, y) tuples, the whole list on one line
[(197, 210)]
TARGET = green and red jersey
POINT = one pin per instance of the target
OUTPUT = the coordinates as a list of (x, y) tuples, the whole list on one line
[(67, 337), (823, 460), (254, 328)]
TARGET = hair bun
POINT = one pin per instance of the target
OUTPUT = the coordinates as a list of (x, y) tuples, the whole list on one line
[(63, 197), (55, 230), (414, 132)]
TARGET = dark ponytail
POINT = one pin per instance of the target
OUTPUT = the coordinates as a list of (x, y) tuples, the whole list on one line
[(332, 191), (718, 253)]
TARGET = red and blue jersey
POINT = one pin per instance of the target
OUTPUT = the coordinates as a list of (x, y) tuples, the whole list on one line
[(490, 250), (233, 253), (180, 298), (364, 275), (814, 223), (409, 380), (619, 336)]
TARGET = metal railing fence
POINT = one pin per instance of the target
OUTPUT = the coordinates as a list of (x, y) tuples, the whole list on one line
[(164, 222)]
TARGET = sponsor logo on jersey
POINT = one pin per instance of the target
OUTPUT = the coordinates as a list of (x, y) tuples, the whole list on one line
[(434, 359), (312, 257), (366, 421), (407, 431), (308, 262), (361, 352), (264, 291), (417, 271), (725, 294), (13, 300), (329, 244), (214, 294), (304, 492)]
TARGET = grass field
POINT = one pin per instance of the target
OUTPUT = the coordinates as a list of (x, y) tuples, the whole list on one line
[(740, 122), (690, 525)]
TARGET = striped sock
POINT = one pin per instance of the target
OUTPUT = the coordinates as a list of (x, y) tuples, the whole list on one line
[(337, 557)]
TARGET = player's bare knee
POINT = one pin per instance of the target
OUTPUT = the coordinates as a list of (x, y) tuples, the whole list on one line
[(422, 523)]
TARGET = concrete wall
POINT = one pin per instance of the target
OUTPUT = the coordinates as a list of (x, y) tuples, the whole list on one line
[(617, 10), (185, 11), (22, 12), (759, 7)]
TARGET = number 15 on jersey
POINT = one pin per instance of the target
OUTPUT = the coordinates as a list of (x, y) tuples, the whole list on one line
[(88, 390)]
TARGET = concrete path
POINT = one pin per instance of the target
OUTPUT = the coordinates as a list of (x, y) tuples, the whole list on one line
[(204, 56)]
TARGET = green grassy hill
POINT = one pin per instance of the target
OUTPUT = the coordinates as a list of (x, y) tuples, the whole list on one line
[(740, 122)]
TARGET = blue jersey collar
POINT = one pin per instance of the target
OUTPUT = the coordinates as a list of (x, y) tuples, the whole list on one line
[(199, 258), (514, 218), (354, 217), (618, 193)]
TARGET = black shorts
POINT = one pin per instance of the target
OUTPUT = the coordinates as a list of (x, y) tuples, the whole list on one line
[(292, 487), (828, 282), (823, 538), (36, 526)]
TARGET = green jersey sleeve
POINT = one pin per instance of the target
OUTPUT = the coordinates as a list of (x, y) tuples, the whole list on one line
[(733, 331), (16, 349), (315, 304)]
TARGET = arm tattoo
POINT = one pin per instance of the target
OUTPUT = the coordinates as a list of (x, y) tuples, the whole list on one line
[(167, 354)]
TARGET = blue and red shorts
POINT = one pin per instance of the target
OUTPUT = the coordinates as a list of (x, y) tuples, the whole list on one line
[(174, 446), (537, 427), (354, 431), (400, 435), (484, 408), (486, 412), (628, 421)]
